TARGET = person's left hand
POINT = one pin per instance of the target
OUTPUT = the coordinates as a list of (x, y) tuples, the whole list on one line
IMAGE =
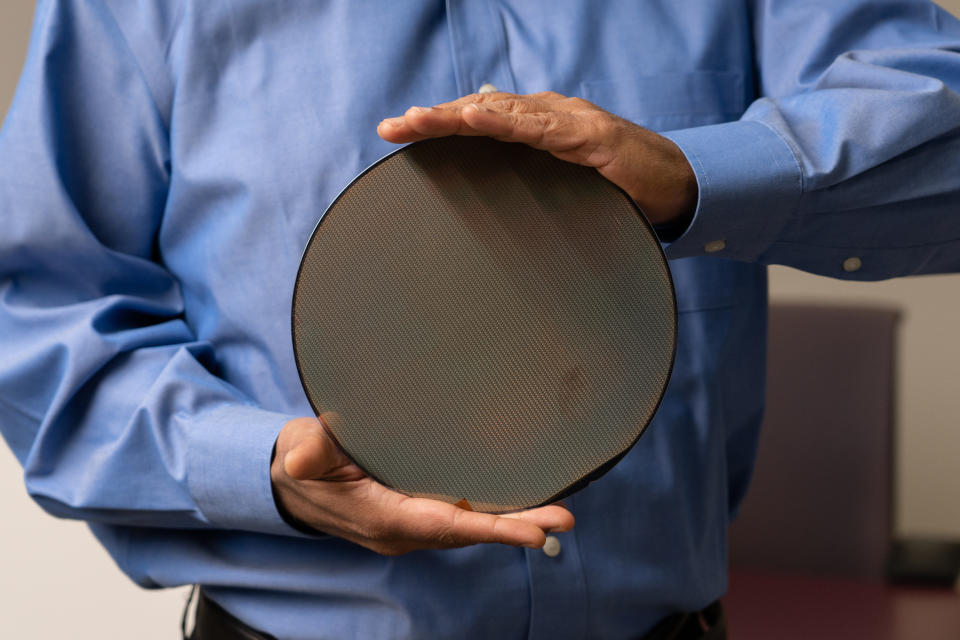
[(650, 168)]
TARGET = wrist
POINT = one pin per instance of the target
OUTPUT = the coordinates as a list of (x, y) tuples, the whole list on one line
[(667, 191), (656, 174)]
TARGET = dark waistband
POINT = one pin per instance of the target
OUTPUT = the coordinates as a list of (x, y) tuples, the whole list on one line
[(710, 623), (213, 622)]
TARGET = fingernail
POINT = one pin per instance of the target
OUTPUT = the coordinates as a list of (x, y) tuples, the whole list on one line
[(477, 107), (392, 122), (419, 109)]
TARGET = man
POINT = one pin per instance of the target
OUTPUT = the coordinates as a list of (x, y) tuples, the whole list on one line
[(164, 163)]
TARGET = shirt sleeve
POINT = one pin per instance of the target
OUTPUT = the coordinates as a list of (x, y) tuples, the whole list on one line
[(108, 399), (848, 165)]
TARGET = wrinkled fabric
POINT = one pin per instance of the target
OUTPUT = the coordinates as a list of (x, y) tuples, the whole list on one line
[(165, 161)]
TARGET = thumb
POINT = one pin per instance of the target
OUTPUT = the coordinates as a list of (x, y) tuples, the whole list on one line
[(313, 454)]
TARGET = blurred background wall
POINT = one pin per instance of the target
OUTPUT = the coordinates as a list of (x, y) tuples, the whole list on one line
[(55, 581)]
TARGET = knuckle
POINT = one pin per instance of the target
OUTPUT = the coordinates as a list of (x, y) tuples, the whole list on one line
[(579, 103), (439, 540), (445, 537), (377, 531), (440, 532), (496, 96), (550, 96), (551, 122), (514, 105)]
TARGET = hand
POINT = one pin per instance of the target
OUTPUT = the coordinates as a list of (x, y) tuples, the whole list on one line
[(649, 167), (319, 486)]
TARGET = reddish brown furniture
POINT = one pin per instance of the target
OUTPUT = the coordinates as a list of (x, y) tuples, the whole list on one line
[(797, 607)]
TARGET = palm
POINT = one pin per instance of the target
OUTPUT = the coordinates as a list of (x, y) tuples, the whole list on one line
[(322, 488)]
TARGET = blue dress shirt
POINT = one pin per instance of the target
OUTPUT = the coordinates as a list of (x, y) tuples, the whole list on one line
[(164, 162)]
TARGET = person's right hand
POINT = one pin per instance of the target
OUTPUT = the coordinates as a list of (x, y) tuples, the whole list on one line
[(318, 485)]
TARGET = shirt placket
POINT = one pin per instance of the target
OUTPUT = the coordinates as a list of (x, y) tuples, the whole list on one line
[(479, 47), (558, 597), (558, 593)]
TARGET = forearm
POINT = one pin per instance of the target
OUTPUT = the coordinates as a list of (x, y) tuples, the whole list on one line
[(850, 171), (108, 397)]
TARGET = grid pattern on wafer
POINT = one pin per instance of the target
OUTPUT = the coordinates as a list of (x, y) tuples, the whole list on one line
[(488, 322)]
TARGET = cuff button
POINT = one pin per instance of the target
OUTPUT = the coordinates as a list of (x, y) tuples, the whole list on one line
[(715, 245), (852, 264)]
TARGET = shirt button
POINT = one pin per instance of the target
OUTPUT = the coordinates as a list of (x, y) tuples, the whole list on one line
[(486, 87), (715, 245), (852, 264), (551, 547)]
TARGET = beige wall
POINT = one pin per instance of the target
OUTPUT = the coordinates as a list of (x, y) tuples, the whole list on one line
[(55, 581), (14, 34)]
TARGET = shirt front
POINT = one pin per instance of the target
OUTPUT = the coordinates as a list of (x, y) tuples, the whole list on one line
[(164, 164)]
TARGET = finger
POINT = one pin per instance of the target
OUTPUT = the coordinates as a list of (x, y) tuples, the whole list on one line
[(501, 96), (472, 98), (437, 524), (395, 130), (554, 518), (548, 130), (419, 123), (548, 96), (436, 122)]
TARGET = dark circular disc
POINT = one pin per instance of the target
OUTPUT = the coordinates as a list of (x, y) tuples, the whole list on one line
[(485, 322)]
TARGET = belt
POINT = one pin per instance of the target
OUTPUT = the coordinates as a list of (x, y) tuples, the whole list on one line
[(213, 622), (710, 623)]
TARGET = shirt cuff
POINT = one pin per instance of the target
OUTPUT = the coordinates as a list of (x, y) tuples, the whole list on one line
[(749, 182), (228, 468)]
